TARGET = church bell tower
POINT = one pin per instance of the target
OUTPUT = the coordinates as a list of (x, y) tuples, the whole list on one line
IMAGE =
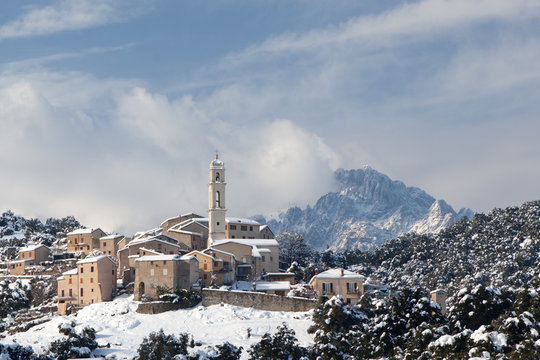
[(216, 200)]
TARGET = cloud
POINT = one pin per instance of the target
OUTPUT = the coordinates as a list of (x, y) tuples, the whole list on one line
[(142, 157), (67, 15), (424, 19)]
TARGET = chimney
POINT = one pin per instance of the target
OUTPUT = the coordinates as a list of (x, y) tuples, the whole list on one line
[(342, 272)]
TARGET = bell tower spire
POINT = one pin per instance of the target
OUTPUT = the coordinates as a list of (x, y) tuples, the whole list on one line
[(216, 199)]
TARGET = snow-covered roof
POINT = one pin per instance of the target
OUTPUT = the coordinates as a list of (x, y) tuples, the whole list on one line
[(188, 257), (92, 259), (251, 242), (438, 291), (200, 253), (150, 251), (337, 273), (255, 252), (191, 213), (82, 231), (31, 247), (71, 272), (242, 221), (183, 224), (159, 258), (111, 237), (20, 261), (169, 219), (265, 251), (219, 251), (185, 232), (146, 240), (280, 274), (272, 285)]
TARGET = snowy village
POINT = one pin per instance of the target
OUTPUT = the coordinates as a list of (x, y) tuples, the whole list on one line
[(269, 180)]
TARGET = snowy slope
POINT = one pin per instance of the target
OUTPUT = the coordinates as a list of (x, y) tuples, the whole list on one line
[(367, 209), (118, 324)]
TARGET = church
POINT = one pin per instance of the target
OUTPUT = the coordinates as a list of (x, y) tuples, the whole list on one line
[(227, 249)]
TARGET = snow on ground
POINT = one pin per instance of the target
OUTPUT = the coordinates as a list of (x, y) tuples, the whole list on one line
[(118, 324)]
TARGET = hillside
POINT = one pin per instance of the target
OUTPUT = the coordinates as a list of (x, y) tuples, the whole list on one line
[(18, 231), (501, 248), (120, 330), (367, 209)]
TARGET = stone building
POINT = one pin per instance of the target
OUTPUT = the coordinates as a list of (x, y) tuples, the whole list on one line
[(110, 244), (84, 240), (29, 256), (339, 281), (92, 281), (166, 272)]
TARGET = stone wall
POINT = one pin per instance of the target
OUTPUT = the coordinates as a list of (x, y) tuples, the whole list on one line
[(157, 307), (257, 300)]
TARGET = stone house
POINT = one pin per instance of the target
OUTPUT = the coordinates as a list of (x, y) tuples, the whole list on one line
[(439, 296), (214, 270), (92, 281), (29, 256), (84, 240), (254, 257), (227, 273), (339, 281), (132, 251), (109, 244), (168, 272)]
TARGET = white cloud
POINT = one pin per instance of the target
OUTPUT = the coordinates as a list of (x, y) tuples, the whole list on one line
[(67, 15), (420, 19), (147, 159)]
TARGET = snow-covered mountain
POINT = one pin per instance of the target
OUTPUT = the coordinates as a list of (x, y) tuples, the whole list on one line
[(367, 209)]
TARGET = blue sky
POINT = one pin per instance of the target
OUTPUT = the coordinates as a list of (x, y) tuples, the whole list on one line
[(112, 110)]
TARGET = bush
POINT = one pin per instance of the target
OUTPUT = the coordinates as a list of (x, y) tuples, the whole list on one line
[(159, 346), (188, 298), (76, 344), (282, 345)]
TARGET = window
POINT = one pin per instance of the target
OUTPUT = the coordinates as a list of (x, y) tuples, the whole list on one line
[(82, 292), (151, 272), (91, 280), (104, 244), (165, 271), (91, 269), (81, 280), (232, 227), (263, 258), (243, 227), (233, 237), (70, 281), (82, 269), (62, 293), (328, 288), (217, 223), (352, 287), (218, 199), (70, 292), (205, 266), (348, 301), (217, 177), (271, 258), (204, 276), (251, 228)]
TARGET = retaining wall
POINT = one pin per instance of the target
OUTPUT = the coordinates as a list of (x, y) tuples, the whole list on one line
[(157, 307), (257, 300)]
